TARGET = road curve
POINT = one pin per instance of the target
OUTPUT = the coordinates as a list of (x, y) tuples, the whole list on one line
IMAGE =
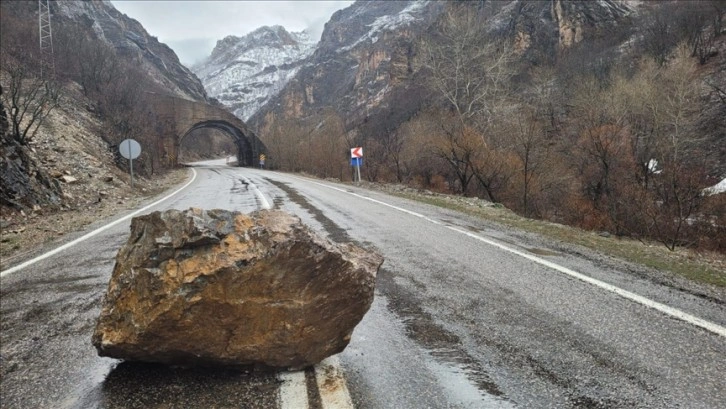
[(458, 321)]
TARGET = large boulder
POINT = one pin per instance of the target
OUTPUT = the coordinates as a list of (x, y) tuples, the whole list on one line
[(209, 287)]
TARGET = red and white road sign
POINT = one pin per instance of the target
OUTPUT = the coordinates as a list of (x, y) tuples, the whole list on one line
[(356, 152)]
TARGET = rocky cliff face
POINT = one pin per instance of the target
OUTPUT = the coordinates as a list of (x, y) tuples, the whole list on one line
[(130, 39), (36, 174), (575, 18), (368, 51), (24, 184), (243, 73)]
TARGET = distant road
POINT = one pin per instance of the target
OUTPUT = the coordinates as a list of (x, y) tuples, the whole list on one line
[(466, 315)]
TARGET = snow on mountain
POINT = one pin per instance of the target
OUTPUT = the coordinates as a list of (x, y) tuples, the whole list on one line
[(367, 52), (390, 22), (719, 187), (243, 73)]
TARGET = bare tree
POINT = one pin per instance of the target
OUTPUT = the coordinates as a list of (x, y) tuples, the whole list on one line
[(603, 152), (531, 148), (458, 145), (698, 25), (284, 138), (404, 147), (492, 170), (679, 148), (29, 98), (470, 74), (659, 36), (467, 69), (326, 150)]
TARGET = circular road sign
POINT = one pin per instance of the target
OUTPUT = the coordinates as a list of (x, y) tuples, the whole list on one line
[(129, 149)]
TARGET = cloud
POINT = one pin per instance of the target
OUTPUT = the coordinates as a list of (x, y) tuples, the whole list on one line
[(192, 50)]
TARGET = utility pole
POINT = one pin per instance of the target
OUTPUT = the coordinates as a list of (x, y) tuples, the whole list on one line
[(47, 63)]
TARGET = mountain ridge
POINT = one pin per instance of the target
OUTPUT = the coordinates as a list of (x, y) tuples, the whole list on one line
[(243, 73), (130, 39), (365, 51)]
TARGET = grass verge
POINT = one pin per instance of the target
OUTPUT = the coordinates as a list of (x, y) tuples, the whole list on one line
[(705, 268)]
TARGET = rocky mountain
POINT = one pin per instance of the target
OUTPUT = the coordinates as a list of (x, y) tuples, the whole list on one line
[(365, 51), (243, 73), (453, 96), (369, 51), (130, 40), (94, 48)]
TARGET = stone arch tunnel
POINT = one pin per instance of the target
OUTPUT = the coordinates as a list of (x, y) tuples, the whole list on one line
[(246, 150), (181, 117)]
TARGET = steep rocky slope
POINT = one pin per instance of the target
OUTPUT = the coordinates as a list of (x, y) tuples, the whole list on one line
[(66, 175), (130, 39), (26, 182), (369, 52), (365, 51), (243, 73), (71, 179), (369, 58), (23, 183)]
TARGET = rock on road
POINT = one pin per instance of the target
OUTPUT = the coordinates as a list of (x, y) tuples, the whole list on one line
[(459, 320)]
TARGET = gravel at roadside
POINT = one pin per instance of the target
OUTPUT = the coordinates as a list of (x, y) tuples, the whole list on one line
[(22, 232)]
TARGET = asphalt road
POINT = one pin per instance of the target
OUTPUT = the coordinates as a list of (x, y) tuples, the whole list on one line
[(466, 315)]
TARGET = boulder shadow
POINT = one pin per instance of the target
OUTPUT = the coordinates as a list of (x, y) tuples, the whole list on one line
[(147, 385)]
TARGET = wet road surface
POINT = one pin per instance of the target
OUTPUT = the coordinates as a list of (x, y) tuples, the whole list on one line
[(456, 323)]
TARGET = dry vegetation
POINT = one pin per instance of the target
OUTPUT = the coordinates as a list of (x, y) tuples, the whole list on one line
[(113, 88), (601, 136), (63, 127), (93, 186), (705, 267), (612, 142)]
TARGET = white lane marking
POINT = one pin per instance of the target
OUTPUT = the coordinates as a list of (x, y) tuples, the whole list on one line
[(673, 312), (95, 232), (293, 392), (331, 385), (400, 209), (263, 201)]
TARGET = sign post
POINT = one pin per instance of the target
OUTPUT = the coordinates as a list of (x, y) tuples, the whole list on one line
[(130, 149), (262, 161), (356, 159)]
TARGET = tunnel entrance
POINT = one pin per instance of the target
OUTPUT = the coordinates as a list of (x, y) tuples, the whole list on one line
[(207, 143), (247, 148)]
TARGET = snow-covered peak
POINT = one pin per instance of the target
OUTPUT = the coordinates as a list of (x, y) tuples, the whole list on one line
[(390, 23), (273, 37), (245, 72)]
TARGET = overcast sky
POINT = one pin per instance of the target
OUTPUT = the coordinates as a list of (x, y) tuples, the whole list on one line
[(192, 28)]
